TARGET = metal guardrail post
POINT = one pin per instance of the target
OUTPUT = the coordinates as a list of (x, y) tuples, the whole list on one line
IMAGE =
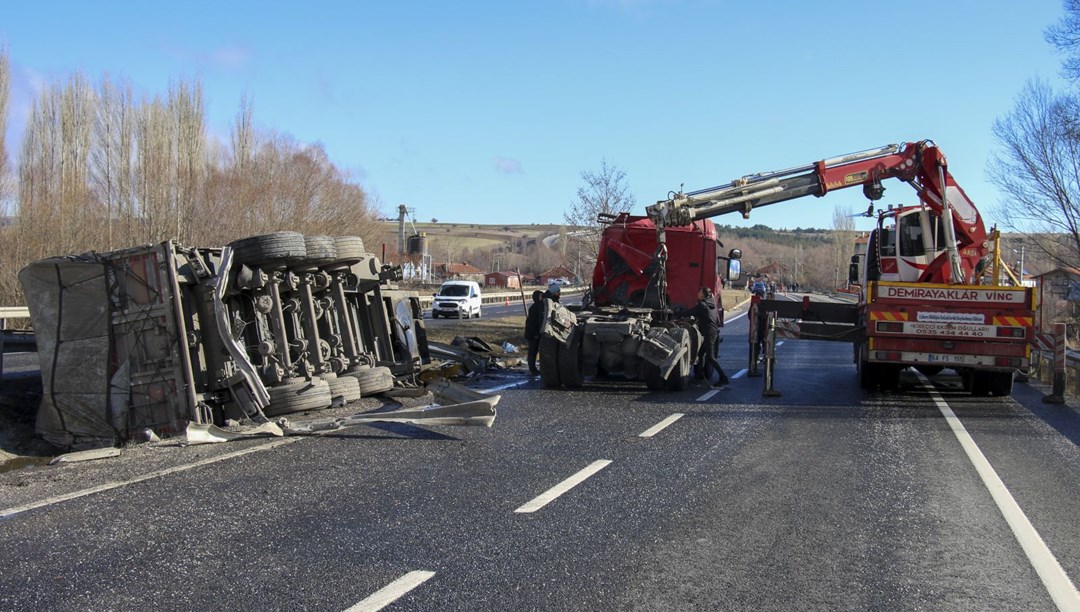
[(1057, 394), (770, 358)]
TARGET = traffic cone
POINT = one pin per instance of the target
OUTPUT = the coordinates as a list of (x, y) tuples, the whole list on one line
[(507, 300)]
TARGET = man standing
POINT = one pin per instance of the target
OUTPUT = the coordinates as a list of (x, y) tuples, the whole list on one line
[(534, 322), (708, 323)]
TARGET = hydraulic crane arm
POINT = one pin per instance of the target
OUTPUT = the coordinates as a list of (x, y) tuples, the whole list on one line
[(920, 164)]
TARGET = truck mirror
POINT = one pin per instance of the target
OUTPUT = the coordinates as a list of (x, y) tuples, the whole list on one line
[(853, 273), (734, 270), (735, 254)]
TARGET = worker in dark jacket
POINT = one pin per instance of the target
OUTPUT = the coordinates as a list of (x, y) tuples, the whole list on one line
[(708, 323), (553, 292), (534, 322)]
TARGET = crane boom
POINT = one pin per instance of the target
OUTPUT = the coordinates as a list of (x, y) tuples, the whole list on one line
[(920, 164)]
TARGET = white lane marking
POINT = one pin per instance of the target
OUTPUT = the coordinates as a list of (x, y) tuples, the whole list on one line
[(1057, 582), (739, 374), (157, 474), (779, 344), (708, 394), (503, 387), (655, 429), (551, 494), (392, 592), (735, 318)]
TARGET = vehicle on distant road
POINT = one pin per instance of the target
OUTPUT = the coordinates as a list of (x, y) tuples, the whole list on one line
[(758, 289), (457, 298)]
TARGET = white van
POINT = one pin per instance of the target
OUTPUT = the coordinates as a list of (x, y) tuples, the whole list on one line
[(457, 299)]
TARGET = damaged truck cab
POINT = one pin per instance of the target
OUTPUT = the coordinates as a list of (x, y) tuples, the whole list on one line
[(629, 320)]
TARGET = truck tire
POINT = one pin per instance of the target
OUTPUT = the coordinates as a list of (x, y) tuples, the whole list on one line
[(680, 374), (1001, 383), (570, 374), (311, 394), (275, 248), (373, 380), (350, 249), (890, 377), (653, 380), (345, 387), (868, 372), (320, 250), (549, 362), (979, 383)]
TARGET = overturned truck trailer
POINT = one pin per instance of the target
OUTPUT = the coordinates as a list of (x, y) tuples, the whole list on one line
[(157, 337)]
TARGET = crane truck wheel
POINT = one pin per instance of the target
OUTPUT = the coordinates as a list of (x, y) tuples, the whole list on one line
[(549, 362), (868, 372), (570, 374), (275, 248), (1001, 383), (346, 387)]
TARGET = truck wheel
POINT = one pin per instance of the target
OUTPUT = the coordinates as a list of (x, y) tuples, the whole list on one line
[(275, 248), (890, 377), (980, 383), (680, 374), (350, 249), (868, 372), (479, 311), (570, 373), (549, 362), (373, 380), (651, 374), (1001, 383), (345, 387), (320, 250), (297, 397)]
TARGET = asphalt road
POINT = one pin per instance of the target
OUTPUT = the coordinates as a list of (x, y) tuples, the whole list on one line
[(828, 497)]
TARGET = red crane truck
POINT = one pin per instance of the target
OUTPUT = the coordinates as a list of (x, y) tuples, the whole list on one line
[(926, 298)]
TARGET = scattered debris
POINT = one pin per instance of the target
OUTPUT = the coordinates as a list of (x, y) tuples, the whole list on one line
[(198, 433), (86, 455)]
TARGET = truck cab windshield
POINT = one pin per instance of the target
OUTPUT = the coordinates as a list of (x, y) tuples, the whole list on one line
[(454, 291)]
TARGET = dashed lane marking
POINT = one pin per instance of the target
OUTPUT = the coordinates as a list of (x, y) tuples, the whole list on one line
[(392, 592), (779, 344), (739, 374), (707, 395), (655, 429), (1057, 582), (553, 493)]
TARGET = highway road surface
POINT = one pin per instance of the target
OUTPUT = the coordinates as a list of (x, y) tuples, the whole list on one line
[(610, 497)]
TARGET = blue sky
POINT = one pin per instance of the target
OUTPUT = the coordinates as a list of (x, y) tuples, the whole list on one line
[(487, 112)]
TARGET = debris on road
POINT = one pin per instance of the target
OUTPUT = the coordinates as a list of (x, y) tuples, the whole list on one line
[(86, 455)]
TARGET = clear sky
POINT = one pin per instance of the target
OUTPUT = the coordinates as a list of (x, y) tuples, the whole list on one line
[(487, 112)]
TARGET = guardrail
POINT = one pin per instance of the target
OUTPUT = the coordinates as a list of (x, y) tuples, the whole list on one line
[(9, 312), (502, 296), (1042, 364)]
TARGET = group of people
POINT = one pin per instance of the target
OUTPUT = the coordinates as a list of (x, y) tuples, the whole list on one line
[(705, 313)]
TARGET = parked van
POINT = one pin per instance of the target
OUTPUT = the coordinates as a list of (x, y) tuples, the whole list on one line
[(457, 299)]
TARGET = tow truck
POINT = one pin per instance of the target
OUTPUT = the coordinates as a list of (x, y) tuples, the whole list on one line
[(927, 298)]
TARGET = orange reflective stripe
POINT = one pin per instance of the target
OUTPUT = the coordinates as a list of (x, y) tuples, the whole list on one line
[(1014, 321), (884, 315)]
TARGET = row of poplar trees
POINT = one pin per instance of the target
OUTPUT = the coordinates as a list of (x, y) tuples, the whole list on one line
[(100, 167)]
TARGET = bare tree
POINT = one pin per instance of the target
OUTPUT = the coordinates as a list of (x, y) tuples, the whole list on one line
[(605, 192), (1065, 35), (843, 225), (1038, 169), (5, 87)]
